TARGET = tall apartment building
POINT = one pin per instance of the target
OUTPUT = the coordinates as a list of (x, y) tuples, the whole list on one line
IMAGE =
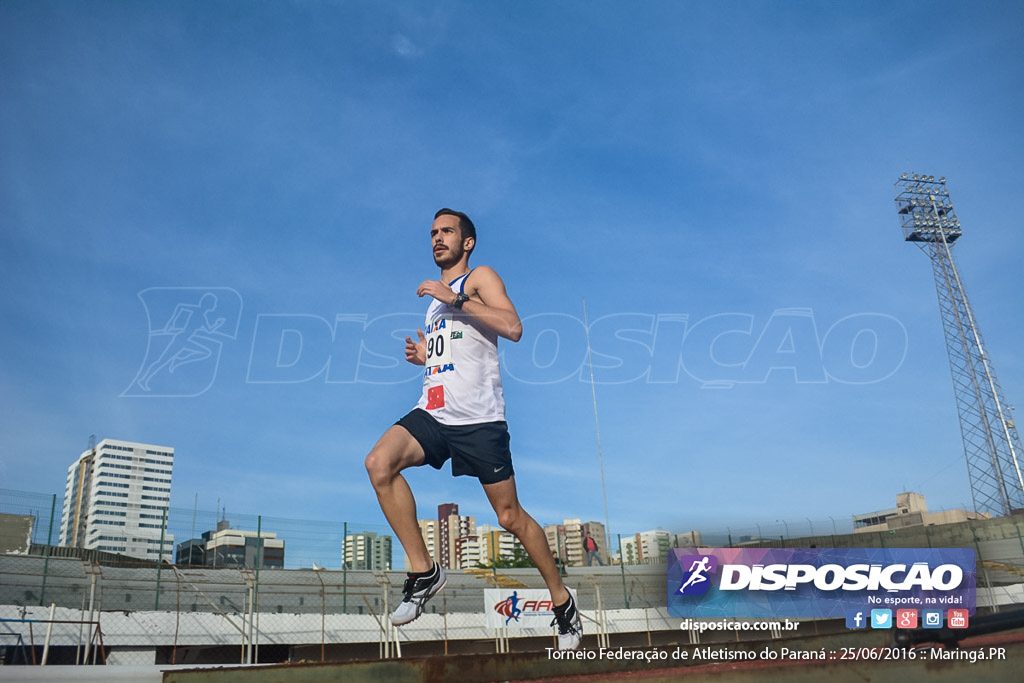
[(456, 538), (428, 530), (495, 544), (367, 551), (115, 500), (647, 547), (445, 542), (630, 552), (566, 539)]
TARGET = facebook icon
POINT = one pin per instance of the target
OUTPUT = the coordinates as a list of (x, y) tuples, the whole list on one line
[(855, 619)]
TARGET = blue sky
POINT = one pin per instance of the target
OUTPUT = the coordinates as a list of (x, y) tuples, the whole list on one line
[(713, 179)]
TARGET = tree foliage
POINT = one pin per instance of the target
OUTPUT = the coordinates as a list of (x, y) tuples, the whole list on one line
[(519, 560)]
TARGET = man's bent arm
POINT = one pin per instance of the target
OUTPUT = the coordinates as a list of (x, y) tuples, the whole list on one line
[(489, 303)]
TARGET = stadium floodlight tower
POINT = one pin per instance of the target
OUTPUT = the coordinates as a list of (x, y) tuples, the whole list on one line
[(991, 443)]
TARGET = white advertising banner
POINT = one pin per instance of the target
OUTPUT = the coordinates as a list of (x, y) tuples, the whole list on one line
[(515, 608)]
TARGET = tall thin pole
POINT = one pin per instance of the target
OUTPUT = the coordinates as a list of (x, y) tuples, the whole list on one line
[(622, 569), (256, 584), (344, 571), (160, 559), (597, 425), (49, 542), (192, 535)]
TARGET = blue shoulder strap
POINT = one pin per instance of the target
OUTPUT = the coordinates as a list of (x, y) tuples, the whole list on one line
[(462, 284)]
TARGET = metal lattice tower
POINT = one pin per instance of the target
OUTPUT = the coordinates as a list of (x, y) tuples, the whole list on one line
[(991, 443)]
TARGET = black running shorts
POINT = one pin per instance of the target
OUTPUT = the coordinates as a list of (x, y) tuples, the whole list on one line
[(477, 450)]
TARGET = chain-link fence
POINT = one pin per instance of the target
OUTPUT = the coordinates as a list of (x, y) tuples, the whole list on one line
[(154, 615), (291, 543), (61, 605)]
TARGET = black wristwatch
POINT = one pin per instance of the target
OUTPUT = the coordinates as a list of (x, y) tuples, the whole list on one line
[(460, 299)]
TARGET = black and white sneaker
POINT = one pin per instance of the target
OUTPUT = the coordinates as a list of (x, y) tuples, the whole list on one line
[(416, 592), (570, 630)]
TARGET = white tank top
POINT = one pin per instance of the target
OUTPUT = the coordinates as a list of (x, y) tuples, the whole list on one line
[(462, 378)]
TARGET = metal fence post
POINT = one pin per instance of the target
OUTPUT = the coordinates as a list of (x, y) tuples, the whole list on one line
[(344, 570), (622, 568), (160, 559), (984, 569), (94, 571), (323, 617), (256, 585), (46, 561)]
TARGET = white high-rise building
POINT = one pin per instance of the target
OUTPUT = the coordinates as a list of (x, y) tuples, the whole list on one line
[(367, 551), (653, 546), (566, 539), (428, 529), (116, 498), (495, 544)]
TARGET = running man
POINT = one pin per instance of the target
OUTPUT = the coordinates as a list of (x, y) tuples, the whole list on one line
[(461, 417), (697, 576), (513, 607)]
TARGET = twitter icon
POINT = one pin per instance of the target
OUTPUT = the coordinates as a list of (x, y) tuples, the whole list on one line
[(881, 618)]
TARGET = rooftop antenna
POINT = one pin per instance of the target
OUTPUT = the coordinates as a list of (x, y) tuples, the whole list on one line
[(597, 425)]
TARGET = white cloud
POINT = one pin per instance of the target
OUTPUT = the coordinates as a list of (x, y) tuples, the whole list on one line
[(405, 47)]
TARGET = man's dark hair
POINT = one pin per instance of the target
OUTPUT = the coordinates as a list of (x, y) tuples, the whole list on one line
[(465, 224)]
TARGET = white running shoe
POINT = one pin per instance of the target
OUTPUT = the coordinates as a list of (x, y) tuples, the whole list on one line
[(417, 591), (570, 630)]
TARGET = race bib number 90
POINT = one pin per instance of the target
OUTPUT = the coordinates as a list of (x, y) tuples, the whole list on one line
[(439, 348)]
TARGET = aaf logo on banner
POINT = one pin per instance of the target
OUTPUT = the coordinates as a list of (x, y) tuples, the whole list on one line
[(817, 582), (518, 608)]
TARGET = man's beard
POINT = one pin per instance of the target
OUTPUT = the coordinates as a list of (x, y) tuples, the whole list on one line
[(448, 256)]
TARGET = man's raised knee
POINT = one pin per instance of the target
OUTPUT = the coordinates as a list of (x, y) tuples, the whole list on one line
[(378, 468), (510, 519), (394, 452)]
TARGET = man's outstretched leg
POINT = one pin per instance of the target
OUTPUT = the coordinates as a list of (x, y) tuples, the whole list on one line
[(394, 452), (513, 518)]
